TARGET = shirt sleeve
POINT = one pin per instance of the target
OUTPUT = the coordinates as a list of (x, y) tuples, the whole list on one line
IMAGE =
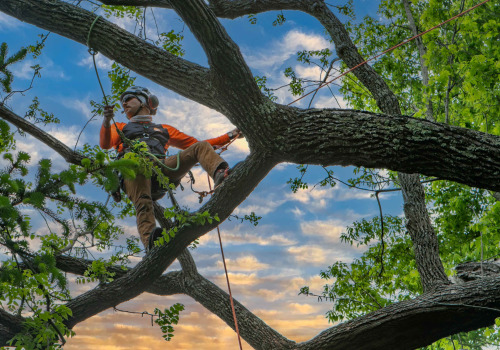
[(109, 138), (181, 140)]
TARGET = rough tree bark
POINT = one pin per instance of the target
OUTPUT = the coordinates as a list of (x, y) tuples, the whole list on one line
[(276, 134), (419, 226)]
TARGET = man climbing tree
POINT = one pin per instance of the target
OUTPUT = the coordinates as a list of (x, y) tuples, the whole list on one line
[(140, 105), (383, 138)]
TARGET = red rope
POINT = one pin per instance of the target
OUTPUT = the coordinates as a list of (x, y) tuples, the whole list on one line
[(227, 276), (390, 49)]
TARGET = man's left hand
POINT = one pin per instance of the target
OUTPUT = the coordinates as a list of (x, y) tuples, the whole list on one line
[(235, 134)]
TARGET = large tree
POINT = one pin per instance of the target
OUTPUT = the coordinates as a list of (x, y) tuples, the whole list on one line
[(276, 133)]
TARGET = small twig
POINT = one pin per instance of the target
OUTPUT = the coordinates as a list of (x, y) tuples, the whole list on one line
[(381, 236), (81, 132), (323, 80), (138, 313)]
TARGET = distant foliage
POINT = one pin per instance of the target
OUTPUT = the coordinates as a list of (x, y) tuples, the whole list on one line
[(462, 59), (6, 76)]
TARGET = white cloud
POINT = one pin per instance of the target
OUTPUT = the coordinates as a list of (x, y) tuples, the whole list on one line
[(101, 62), (260, 206), (314, 199), (7, 22), (241, 279), (243, 263), (237, 237), (282, 49), (317, 198), (23, 69), (329, 101), (38, 150), (297, 212), (81, 106), (320, 255), (308, 72), (310, 255), (270, 295), (329, 230)]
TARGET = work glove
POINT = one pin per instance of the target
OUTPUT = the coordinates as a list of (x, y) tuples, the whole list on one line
[(235, 134), (108, 112)]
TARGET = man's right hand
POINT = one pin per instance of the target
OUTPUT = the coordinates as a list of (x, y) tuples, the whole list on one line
[(108, 112)]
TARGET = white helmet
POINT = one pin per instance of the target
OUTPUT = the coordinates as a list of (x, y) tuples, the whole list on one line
[(143, 94)]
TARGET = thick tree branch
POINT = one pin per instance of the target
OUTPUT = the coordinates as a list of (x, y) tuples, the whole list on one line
[(418, 223), (422, 233), (223, 8), (471, 271), (348, 137), (235, 83), (67, 153), (419, 322), (10, 325), (160, 66), (167, 284)]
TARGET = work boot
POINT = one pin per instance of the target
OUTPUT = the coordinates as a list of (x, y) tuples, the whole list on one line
[(157, 233), (220, 175)]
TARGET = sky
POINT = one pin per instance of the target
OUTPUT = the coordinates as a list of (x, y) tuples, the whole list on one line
[(298, 235)]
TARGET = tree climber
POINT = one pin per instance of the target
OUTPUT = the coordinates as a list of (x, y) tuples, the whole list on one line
[(140, 105)]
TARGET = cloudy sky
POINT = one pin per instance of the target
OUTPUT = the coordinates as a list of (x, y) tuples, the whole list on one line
[(298, 235)]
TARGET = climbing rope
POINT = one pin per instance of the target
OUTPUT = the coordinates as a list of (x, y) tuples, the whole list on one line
[(389, 50), (227, 277)]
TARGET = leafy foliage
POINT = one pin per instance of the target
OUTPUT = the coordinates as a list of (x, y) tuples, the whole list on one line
[(167, 318), (38, 115), (261, 83), (463, 71), (132, 12), (171, 42), (6, 76), (360, 287)]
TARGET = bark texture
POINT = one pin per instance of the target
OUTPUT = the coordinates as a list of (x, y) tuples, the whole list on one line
[(276, 134), (430, 267)]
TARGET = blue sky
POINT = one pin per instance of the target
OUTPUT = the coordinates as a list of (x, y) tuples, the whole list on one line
[(299, 233)]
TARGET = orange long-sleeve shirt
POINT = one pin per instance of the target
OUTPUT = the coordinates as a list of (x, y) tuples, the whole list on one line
[(109, 138)]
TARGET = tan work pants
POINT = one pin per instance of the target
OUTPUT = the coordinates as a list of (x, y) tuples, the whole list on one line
[(138, 190)]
